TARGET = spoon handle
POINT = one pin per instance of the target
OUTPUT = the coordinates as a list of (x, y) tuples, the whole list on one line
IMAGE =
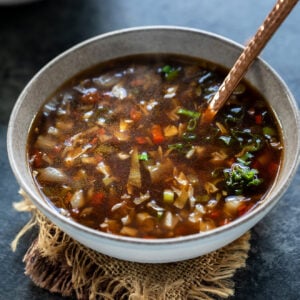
[(274, 19)]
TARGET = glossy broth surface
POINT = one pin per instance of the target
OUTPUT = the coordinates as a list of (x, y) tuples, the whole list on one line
[(120, 148)]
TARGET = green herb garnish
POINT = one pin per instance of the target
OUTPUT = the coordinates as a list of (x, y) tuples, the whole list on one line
[(239, 177), (170, 72)]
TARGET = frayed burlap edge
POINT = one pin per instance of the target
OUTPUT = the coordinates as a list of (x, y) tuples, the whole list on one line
[(59, 264)]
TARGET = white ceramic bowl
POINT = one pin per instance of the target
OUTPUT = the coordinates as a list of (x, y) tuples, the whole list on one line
[(152, 40)]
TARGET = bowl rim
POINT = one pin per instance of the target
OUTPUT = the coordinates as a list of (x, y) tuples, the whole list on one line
[(44, 206)]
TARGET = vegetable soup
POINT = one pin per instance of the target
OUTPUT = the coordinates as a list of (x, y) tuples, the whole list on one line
[(120, 148)]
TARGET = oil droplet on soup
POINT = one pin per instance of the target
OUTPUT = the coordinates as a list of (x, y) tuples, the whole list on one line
[(120, 148)]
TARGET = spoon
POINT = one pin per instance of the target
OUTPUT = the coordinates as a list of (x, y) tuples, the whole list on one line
[(273, 20)]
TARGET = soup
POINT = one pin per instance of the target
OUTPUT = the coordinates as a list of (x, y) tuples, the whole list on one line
[(120, 148)]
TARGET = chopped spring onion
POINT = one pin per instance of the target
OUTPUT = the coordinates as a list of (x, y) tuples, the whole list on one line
[(170, 72), (168, 196), (246, 158), (189, 136), (192, 124), (143, 156), (177, 146), (268, 131), (188, 113)]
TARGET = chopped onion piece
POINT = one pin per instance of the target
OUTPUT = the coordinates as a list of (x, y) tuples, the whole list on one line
[(142, 216), (212, 203), (142, 198), (123, 125), (75, 153), (45, 142), (86, 211), (170, 130), (181, 179), (119, 92), (232, 204), (171, 92), (135, 178), (47, 158), (126, 220), (117, 206), (122, 136), (172, 115), (125, 196), (235, 198), (89, 160), (151, 104), (222, 128), (104, 169), (51, 174), (110, 225), (182, 198), (160, 169), (106, 80), (194, 217), (146, 221), (170, 220), (53, 130), (65, 125), (87, 115), (218, 156), (153, 205), (190, 153), (123, 155), (126, 230), (210, 188), (64, 212), (192, 199), (206, 225), (77, 200), (200, 208)]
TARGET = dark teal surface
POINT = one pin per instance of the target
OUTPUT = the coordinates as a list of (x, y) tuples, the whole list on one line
[(31, 35)]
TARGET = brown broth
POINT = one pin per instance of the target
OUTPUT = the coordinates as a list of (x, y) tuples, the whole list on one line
[(119, 148)]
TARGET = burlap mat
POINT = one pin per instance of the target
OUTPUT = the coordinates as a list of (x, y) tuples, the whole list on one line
[(61, 265)]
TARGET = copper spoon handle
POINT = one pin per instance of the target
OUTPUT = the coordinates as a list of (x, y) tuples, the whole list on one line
[(274, 19)]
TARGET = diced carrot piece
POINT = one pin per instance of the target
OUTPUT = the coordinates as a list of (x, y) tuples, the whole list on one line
[(37, 159), (94, 140), (242, 209), (157, 134), (97, 199), (258, 119), (215, 214), (141, 140), (68, 197), (98, 157), (135, 115), (101, 131)]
